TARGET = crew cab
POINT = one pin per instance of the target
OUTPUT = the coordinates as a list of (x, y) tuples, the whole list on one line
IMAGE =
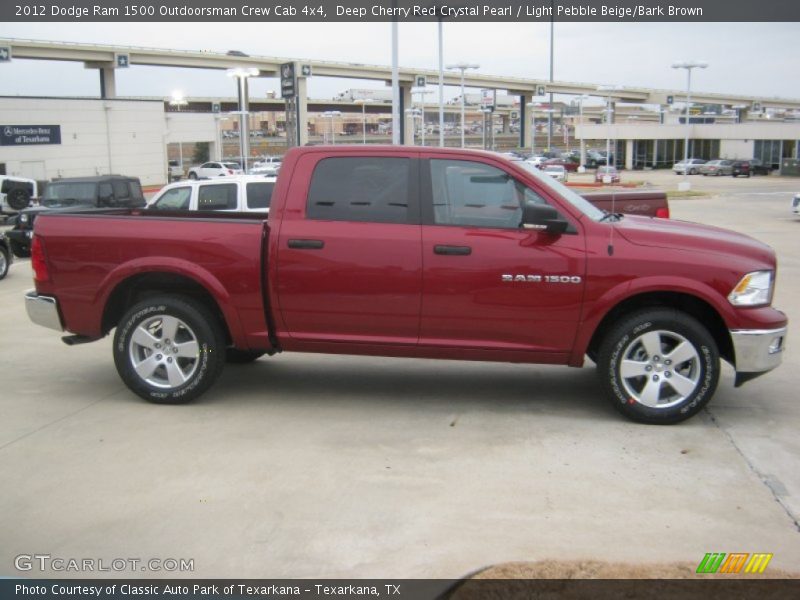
[(244, 193), (414, 252), (75, 194)]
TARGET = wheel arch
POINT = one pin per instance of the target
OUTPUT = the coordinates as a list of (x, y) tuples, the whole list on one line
[(137, 287), (689, 303)]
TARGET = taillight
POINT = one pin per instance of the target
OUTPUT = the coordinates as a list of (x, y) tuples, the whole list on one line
[(39, 260), (663, 212)]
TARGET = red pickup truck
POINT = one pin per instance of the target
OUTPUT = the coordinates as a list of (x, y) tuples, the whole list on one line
[(414, 252)]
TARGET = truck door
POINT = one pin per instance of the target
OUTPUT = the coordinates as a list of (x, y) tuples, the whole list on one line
[(489, 284), (349, 263)]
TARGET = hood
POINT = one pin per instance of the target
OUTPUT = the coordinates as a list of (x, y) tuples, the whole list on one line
[(684, 235)]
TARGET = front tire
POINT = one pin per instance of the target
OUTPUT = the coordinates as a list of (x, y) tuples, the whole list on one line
[(659, 366), (192, 175), (169, 350)]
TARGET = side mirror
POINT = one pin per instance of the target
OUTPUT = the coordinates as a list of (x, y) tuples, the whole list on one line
[(543, 218)]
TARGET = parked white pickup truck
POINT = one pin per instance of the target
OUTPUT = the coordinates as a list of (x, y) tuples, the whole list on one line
[(242, 193), (16, 193)]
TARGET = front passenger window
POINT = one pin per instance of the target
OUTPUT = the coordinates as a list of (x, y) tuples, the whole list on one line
[(472, 194)]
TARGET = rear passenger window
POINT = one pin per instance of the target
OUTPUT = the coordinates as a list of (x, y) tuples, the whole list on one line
[(259, 194), (217, 197), (174, 199), (360, 189)]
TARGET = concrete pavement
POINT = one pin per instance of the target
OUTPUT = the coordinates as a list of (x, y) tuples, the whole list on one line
[(331, 466)]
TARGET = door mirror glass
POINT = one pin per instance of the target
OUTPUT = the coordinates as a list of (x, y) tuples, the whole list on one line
[(543, 217)]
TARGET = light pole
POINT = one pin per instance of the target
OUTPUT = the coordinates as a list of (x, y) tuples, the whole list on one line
[(688, 65), (462, 66), (608, 89), (179, 101), (330, 114), (363, 102), (242, 74), (441, 86)]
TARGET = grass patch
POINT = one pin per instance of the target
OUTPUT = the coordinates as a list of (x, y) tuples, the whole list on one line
[(685, 194)]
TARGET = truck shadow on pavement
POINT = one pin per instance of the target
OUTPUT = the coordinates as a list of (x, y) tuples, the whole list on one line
[(302, 379)]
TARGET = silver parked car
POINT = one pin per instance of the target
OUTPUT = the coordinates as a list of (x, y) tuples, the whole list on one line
[(717, 167), (693, 166)]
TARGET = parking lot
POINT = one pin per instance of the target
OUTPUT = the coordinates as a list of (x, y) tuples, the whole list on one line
[(307, 465)]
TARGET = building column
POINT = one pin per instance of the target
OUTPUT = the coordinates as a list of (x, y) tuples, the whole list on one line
[(655, 154), (406, 123), (302, 111), (525, 121), (506, 118), (628, 154), (108, 85)]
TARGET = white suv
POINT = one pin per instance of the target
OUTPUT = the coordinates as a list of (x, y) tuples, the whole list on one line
[(241, 193), (215, 169)]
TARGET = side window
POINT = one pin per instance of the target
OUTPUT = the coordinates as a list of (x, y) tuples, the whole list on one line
[(174, 199), (105, 195), (217, 197), (363, 189), (471, 194), (121, 193), (259, 194)]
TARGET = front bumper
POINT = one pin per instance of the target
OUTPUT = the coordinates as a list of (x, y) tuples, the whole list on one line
[(43, 310), (757, 351)]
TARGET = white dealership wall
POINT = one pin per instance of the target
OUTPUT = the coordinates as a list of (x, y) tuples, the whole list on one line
[(126, 137)]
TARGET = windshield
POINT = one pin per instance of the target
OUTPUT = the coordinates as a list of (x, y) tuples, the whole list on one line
[(576, 200), (234, 166), (58, 195)]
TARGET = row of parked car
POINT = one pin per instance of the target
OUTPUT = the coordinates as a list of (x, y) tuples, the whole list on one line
[(720, 166)]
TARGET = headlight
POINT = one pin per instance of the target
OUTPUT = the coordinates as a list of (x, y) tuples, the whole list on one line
[(23, 218), (754, 289)]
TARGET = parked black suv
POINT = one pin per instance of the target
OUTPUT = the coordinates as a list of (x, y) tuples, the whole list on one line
[(75, 194)]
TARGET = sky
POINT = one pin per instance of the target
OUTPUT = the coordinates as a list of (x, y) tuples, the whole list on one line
[(744, 58)]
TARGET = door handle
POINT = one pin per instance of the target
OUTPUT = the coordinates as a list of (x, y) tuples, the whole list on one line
[(306, 244), (453, 250)]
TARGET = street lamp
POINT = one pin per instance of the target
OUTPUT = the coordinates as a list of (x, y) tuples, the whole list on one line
[(688, 65), (608, 89), (363, 102), (462, 66), (242, 74), (330, 114)]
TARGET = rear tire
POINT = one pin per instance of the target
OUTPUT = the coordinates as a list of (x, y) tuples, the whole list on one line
[(18, 199), (658, 366), (169, 350)]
